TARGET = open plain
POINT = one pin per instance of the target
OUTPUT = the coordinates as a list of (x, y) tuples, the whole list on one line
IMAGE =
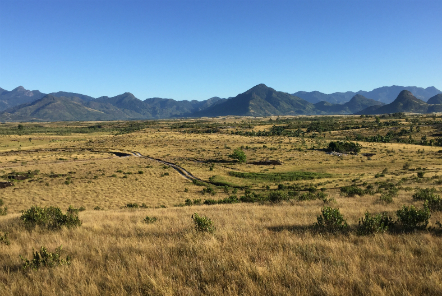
[(267, 238)]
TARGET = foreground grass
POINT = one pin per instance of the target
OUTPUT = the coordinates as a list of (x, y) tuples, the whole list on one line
[(256, 249)]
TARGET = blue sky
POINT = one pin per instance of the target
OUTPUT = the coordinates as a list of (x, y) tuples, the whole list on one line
[(198, 49)]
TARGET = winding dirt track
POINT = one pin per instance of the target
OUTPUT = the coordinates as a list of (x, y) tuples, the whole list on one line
[(183, 172)]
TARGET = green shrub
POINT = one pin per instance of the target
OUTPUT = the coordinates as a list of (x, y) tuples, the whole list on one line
[(210, 202), (50, 217), (371, 224), (386, 197), (331, 221), (1, 202), (410, 218), (351, 191), (434, 203), (202, 223), (238, 155), (425, 194), (312, 196), (45, 259), (149, 220), (4, 239), (420, 174), (188, 202), (277, 196), (97, 208), (344, 147), (3, 211), (132, 205), (209, 190)]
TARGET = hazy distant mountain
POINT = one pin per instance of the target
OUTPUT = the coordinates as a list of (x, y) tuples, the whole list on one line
[(388, 94), (385, 94), (17, 96), (260, 101), (356, 104), (405, 102), (50, 108), (437, 99), (316, 97), (257, 101)]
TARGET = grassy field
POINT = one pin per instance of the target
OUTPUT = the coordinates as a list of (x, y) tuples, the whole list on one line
[(264, 240)]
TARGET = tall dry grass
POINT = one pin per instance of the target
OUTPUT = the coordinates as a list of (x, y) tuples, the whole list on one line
[(256, 249)]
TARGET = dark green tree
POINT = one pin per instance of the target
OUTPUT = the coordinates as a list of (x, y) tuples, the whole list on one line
[(239, 155)]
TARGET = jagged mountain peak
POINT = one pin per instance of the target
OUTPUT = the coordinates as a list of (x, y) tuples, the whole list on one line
[(19, 88), (405, 96)]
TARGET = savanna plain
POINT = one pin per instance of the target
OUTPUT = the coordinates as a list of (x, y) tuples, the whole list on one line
[(306, 205)]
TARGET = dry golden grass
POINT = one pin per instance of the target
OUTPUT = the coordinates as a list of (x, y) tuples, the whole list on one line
[(256, 249)]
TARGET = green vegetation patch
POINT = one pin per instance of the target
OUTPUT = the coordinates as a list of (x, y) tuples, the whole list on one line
[(279, 177)]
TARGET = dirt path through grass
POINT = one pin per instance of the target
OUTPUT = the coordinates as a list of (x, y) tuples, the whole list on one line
[(183, 172)]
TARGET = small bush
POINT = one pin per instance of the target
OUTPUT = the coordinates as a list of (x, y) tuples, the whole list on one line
[(229, 200), (434, 203), (420, 174), (425, 194), (1, 202), (149, 220), (45, 259), (238, 155), (344, 147), (3, 211), (278, 196), (331, 221), (351, 191), (209, 190), (132, 205), (210, 202), (97, 208), (411, 218), (4, 239), (202, 223), (386, 197), (372, 224), (188, 202), (51, 217), (312, 196)]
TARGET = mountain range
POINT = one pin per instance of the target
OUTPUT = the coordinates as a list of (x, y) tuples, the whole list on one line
[(385, 94), (25, 105), (405, 102)]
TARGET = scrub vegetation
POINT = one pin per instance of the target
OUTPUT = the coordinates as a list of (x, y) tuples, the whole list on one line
[(331, 205)]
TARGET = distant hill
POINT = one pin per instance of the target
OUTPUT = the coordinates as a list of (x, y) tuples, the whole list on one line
[(260, 101), (385, 94), (437, 99), (71, 95), (316, 97), (388, 94), (356, 104), (50, 108), (405, 102), (17, 96)]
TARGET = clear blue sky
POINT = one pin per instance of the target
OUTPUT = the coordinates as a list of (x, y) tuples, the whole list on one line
[(198, 49)]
